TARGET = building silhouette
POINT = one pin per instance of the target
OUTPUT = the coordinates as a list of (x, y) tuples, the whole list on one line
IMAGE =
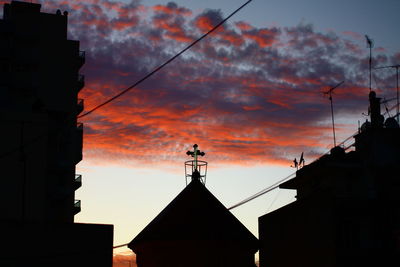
[(41, 142), (347, 211), (195, 230)]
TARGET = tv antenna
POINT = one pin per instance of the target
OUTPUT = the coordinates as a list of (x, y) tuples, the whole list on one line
[(329, 92), (370, 45), (397, 85)]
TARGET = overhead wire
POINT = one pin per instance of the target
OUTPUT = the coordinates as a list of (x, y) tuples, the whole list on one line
[(165, 63), (276, 184), (258, 194), (273, 201), (159, 68), (264, 191)]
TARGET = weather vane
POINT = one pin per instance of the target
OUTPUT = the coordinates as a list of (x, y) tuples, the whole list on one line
[(299, 164)]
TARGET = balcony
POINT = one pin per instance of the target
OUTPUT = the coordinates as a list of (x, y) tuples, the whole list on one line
[(80, 82), (77, 181), (77, 206), (81, 58), (78, 143), (79, 106)]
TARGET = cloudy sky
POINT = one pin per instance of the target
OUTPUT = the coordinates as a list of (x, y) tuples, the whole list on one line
[(250, 94)]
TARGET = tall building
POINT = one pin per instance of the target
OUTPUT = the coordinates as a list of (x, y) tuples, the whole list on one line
[(195, 230), (347, 211), (41, 141)]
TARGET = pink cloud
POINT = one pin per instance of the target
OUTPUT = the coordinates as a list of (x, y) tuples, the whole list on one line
[(243, 26), (245, 94), (171, 8), (263, 37), (354, 35)]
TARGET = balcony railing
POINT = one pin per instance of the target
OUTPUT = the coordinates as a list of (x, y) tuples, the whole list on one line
[(80, 106), (81, 58), (77, 206), (77, 181), (200, 166), (78, 143), (80, 82)]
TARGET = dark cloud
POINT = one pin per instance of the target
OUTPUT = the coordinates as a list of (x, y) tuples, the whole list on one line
[(245, 94)]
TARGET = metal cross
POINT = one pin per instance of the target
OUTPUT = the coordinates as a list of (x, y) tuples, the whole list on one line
[(194, 154)]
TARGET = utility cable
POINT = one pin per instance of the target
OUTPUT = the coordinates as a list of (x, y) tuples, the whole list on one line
[(264, 191), (273, 201), (271, 187), (165, 63)]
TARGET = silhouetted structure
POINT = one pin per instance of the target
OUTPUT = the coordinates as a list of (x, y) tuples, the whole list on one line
[(347, 211), (195, 230), (41, 142)]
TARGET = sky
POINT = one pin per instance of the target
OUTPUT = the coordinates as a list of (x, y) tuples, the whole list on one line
[(250, 95)]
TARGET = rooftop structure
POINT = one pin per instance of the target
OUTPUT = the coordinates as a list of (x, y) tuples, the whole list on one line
[(195, 229), (347, 209), (41, 142), (41, 138)]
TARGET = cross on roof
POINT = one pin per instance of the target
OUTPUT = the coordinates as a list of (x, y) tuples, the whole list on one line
[(194, 154)]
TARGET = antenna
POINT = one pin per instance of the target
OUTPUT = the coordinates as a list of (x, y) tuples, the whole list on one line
[(370, 45), (397, 85), (329, 92)]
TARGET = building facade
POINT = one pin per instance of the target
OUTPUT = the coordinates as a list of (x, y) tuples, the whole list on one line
[(41, 140), (347, 210), (195, 230)]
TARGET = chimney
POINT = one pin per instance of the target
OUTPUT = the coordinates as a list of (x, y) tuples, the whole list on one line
[(375, 111)]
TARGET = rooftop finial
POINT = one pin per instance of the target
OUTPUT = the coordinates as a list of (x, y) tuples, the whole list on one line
[(194, 154), (196, 165)]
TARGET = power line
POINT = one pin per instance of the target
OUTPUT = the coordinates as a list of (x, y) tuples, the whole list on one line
[(271, 187), (165, 63), (120, 246), (264, 191)]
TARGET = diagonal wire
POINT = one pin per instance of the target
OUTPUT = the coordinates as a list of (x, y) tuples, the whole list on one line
[(273, 201), (273, 186), (264, 191), (165, 63)]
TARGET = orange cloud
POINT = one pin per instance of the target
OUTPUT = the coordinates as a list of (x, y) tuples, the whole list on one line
[(243, 26), (121, 25), (262, 37), (124, 260), (204, 23), (232, 38), (243, 104), (172, 9)]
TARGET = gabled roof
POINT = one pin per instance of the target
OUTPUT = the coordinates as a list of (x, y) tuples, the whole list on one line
[(195, 214)]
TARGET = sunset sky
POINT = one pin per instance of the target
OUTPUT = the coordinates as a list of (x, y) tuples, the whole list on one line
[(250, 95)]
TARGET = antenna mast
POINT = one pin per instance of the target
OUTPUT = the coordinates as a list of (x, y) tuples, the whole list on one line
[(329, 92), (370, 45), (397, 86)]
